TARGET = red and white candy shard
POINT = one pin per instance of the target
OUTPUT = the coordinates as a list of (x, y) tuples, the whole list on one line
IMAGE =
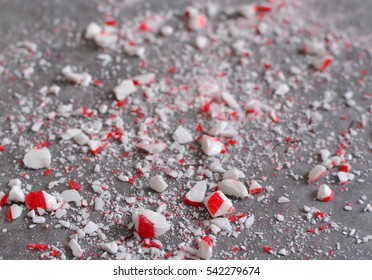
[(124, 89), (158, 184), (343, 177), (149, 224), (75, 248), (254, 187), (218, 204), (325, 193), (205, 248), (196, 21), (145, 79), (83, 78), (16, 194), (211, 146), (344, 167), (195, 196), (14, 212), (322, 63), (134, 50), (182, 135), (316, 173), (37, 158), (152, 148), (233, 187), (40, 199)]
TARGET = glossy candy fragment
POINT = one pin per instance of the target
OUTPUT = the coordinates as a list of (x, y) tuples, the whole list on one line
[(195, 196), (124, 89), (211, 146), (182, 135), (14, 212), (158, 184), (205, 248), (233, 188), (37, 158), (254, 187), (316, 173), (325, 193), (83, 78), (40, 199), (218, 204), (149, 224)]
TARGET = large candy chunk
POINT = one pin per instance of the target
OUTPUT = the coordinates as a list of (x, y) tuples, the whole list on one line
[(325, 193), (40, 199), (205, 248), (316, 173), (211, 146), (195, 196), (218, 204), (149, 224), (233, 187), (37, 158)]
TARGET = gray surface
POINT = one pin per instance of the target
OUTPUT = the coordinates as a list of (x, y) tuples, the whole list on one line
[(19, 19)]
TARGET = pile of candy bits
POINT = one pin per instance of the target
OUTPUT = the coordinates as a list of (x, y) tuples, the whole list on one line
[(212, 130)]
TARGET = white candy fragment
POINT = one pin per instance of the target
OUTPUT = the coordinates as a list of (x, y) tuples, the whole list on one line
[(158, 184), (324, 154), (111, 247), (144, 79), (37, 158), (124, 89), (282, 90), (71, 133), (71, 196), (152, 148), (83, 78), (283, 199), (314, 47), (201, 42), (254, 187), (249, 221), (81, 138), (343, 177), (218, 204), (92, 30), (16, 194), (233, 187), (321, 63), (106, 39), (216, 167), (196, 21), (182, 135), (222, 223), (149, 224), (234, 174), (41, 199), (195, 196), (218, 128), (75, 248), (205, 248), (90, 227), (325, 193), (211, 146), (316, 173), (134, 50), (14, 212), (98, 204)]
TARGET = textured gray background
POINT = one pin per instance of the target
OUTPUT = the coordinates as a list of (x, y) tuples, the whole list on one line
[(15, 15)]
